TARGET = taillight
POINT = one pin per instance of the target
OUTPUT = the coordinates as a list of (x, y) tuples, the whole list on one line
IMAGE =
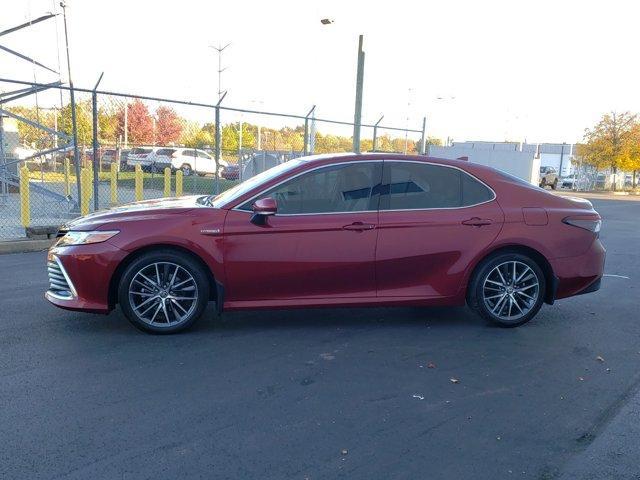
[(591, 224)]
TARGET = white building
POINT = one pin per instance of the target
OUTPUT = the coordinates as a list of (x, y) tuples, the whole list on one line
[(520, 159)]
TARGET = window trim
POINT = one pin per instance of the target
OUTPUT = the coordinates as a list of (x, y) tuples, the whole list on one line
[(238, 209)]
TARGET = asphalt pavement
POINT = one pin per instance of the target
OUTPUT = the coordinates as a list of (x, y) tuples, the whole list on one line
[(401, 393)]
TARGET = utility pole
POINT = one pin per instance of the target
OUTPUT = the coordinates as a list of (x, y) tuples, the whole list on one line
[(220, 49), (74, 125), (357, 115)]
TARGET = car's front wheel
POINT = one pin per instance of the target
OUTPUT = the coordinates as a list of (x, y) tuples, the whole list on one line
[(507, 289), (163, 291)]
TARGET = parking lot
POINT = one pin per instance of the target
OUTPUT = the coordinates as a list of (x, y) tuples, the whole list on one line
[(322, 394)]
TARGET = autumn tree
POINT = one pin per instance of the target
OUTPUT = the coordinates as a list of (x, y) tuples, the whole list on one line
[(631, 157), (139, 123), (609, 143), (168, 126)]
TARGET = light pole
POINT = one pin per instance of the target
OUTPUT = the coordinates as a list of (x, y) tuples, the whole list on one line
[(74, 125), (357, 114), (220, 49)]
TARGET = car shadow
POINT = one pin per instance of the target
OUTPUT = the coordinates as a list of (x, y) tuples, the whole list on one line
[(322, 318)]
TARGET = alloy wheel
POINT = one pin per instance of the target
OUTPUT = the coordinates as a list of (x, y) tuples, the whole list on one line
[(163, 294), (511, 290)]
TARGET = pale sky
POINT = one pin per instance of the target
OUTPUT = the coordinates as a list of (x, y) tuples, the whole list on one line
[(528, 69)]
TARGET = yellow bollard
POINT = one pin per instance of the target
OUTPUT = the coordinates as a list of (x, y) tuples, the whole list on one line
[(139, 183), (179, 183), (25, 206), (114, 184), (67, 187), (85, 180), (167, 182)]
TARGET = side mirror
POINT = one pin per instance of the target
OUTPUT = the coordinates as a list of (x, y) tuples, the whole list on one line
[(263, 208)]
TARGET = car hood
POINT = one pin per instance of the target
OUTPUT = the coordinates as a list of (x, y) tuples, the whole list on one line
[(145, 210)]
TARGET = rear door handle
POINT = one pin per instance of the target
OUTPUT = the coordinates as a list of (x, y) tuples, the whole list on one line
[(359, 226), (477, 222)]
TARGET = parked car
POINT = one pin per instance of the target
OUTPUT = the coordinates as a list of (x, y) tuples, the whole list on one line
[(140, 156), (548, 176), (230, 172), (568, 182), (349, 230), (189, 160)]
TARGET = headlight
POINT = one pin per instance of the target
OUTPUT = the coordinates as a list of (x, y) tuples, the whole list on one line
[(85, 238)]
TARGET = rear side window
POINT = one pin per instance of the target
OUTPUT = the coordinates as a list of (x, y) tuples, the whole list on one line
[(473, 191), (349, 187), (166, 151), (138, 150), (413, 186)]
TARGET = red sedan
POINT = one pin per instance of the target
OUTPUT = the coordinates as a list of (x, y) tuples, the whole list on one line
[(339, 230)]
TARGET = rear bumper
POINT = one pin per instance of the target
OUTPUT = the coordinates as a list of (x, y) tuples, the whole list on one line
[(89, 269), (580, 274)]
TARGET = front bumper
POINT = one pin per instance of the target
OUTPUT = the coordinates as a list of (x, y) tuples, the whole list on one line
[(88, 270)]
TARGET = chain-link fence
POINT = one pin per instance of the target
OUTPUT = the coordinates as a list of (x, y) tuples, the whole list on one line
[(128, 148)]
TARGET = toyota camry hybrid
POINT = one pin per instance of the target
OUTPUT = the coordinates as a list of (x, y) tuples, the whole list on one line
[(335, 230)]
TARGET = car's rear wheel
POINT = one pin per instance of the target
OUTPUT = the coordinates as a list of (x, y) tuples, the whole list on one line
[(554, 186), (543, 183), (507, 289), (163, 291), (186, 169)]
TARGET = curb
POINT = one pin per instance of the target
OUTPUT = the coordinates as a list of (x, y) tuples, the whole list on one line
[(23, 246)]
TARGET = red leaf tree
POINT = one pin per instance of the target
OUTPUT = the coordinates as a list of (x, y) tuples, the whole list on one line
[(139, 123), (168, 126)]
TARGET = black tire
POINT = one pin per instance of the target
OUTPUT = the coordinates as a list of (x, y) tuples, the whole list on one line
[(554, 186), (186, 169), (479, 299), (543, 183), (167, 259)]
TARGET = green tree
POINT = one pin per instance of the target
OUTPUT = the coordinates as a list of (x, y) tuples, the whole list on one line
[(84, 121), (29, 135)]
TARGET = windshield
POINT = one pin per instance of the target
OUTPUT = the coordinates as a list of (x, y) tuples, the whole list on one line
[(236, 192)]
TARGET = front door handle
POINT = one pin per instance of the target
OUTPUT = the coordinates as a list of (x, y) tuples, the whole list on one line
[(359, 226), (477, 222)]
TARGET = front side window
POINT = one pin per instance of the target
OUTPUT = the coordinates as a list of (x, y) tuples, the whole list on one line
[(414, 186), (349, 187)]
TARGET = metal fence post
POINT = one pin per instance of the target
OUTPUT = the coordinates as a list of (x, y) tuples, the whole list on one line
[(375, 134), (306, 130), (423, 139), (25, 207), (218, 149), (96, 153), (96, 147)]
